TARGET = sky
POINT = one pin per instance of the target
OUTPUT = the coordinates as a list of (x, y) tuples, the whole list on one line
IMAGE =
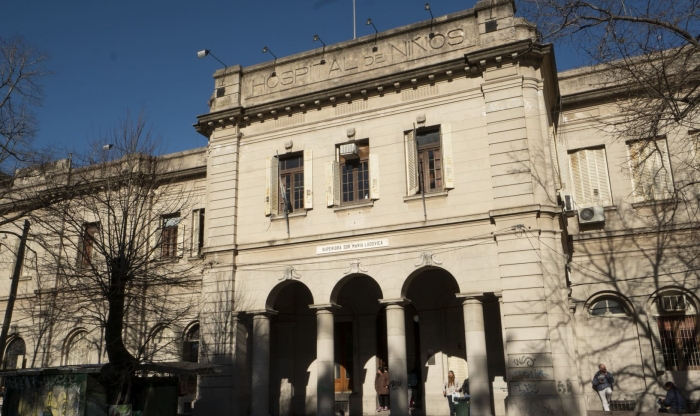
[(110, 57)]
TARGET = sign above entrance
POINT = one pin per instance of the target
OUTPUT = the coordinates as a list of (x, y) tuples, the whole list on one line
[(352, 246)]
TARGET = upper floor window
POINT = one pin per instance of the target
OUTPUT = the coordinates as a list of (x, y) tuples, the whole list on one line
[(429, 159), (292, 175), (353, 177), (87, 243), (168, 235), (292, 182), (354, 172), (650, 169), (589, 175)]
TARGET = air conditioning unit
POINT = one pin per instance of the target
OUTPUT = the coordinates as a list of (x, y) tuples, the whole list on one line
[(672, 303), (349, 151), (591, 214), (567, 201)]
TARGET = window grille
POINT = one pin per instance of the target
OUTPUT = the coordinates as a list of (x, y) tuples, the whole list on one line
[(679, 342)]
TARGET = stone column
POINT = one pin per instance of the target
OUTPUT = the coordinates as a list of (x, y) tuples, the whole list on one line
[(476, 356), (325, 360), (260, 391), (398, 368)]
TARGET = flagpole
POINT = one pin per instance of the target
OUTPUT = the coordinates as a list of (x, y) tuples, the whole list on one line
[(354, 25)]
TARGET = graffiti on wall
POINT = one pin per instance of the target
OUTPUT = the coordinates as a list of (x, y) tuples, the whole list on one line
[(56, 395)]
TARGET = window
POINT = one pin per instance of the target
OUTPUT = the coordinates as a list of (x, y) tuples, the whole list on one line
[(190, 353), (674, 328), (197, 228), (429, 159), (679, 342), (294, 174), (292, 182), (353, 177), (87, 244), (589, 175), (168, 236), (607, 307), (77, 349), (15, 355), (354, 173), (650, 169)]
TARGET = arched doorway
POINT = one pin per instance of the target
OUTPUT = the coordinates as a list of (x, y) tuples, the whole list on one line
[(292, 349), (359, 343)]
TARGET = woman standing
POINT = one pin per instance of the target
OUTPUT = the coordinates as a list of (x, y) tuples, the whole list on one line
[(381, 385), (450, 387)]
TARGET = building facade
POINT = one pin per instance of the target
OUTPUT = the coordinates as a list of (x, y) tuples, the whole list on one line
[(434, 198)]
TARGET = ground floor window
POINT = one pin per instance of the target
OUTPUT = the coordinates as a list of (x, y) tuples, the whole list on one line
[(343, 357), (679, 342)]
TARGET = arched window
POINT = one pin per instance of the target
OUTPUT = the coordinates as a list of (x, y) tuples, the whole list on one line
[(162, 345), (15, 355), (608, 307), (77, 349), (674, 325), (190, 351)]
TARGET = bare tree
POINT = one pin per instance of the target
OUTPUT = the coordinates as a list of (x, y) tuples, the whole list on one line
[(117, 247)]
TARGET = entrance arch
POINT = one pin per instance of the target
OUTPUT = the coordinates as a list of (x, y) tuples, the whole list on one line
[(357, 340), (292, 347)]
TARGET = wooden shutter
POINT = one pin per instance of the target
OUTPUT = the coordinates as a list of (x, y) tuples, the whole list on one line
[(373, 176), (332, 183), (448, 173), (412, 177), (272, 186), (308, 179), (656, 343), (589, 175), (155, 245), (650, 169), (555, 156), (181, 238), (194, 240)]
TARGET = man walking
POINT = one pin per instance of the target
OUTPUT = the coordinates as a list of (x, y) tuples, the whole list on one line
[(602, 383)]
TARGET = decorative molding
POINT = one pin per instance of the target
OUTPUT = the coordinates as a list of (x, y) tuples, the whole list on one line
[(352, 107), (290, 273), (355, 267), (285, 121), (419, 92), (427, 258)]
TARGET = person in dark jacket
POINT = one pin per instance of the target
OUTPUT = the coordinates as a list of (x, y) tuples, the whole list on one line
[(381, 385), (674, 401), (602, 383)]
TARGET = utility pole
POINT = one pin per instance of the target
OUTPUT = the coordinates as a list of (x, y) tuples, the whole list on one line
[(13, 289)]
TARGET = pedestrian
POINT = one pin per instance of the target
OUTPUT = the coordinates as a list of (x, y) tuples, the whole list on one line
[(412, 385), (450, 387), (674, 401), (602, 383), (381, 385)]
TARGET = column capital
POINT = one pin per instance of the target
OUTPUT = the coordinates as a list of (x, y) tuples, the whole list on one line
[(325, 306), (262, 313), (471, 297), (397, 302)]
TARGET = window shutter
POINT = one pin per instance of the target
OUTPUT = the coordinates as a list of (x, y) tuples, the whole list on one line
[(336, 183), (308, 179), (555, 156), (156, 240), (656, 344), (272, 186), (447, 160), (81, 247), (181, 240), (411, 163), (330, 183), (373, 176), (650, 169), (589, 173), (194, 240)]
